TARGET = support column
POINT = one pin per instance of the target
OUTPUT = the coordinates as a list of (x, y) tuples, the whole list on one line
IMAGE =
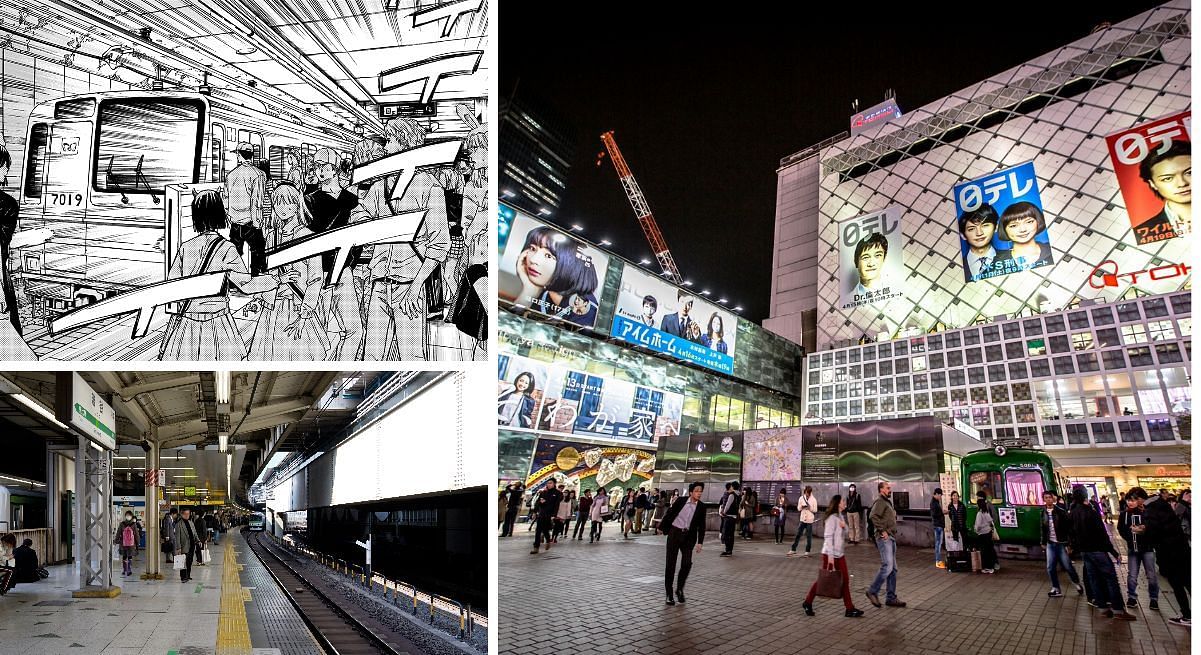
[(153, 543), (94, 530)]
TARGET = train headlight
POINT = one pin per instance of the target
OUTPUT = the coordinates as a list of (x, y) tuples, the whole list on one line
[(999, 450)]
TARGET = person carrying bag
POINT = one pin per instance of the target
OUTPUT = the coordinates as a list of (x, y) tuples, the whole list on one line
[(833, 579), (986, 534)]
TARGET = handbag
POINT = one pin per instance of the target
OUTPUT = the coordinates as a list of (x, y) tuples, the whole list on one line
[(180, 562), (995, 536), (829, 583)]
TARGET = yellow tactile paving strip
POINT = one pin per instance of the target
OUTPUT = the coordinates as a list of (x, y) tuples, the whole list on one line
[(233, 633)]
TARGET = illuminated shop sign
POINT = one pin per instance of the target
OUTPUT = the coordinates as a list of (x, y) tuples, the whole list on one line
[(877, 115), (1106, 274)]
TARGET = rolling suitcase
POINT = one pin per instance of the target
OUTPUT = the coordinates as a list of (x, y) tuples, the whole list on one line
[(976, 568)]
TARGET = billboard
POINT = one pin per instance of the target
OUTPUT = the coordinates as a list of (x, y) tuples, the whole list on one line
[(870, 255), (1001, 225), (581, 466), (536, 395), (878, 115), (549, 271), (667, 319), (1154, 166)]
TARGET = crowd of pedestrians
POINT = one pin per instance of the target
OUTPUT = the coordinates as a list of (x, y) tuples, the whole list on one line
[(1155, 530)]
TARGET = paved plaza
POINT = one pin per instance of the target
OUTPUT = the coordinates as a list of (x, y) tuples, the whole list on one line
[(608, 597)]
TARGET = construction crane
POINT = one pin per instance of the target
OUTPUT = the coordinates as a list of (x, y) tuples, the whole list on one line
[(641, 209)]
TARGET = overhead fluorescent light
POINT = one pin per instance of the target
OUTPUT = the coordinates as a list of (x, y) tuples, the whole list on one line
[(222, 387), (37, 407), (223, 441)]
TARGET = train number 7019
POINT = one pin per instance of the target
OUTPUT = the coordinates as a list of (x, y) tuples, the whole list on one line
[(66, 199)]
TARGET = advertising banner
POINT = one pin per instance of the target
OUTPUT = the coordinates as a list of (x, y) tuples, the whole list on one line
[(871, 265), (548, 271), (1153, 162), (880, 114), (668, 319), (552, 398), (1001, 225), (581, 466)]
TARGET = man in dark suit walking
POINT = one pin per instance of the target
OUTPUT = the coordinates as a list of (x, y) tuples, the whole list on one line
[(685, 525)]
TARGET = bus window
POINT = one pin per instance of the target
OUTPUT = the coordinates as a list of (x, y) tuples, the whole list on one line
[(35, 159), (217, 160), (1024, 486), (145, 144), (987, 481)]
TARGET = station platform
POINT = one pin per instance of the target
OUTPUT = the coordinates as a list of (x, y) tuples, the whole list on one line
[(231, 606), (609, 597)]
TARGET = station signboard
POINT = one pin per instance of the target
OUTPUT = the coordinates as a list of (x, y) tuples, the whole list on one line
[(80, 406)]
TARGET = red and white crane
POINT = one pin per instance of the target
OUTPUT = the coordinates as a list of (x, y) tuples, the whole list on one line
[(641, 209)]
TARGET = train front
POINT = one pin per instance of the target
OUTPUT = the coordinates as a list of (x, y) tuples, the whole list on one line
[(92, 218)]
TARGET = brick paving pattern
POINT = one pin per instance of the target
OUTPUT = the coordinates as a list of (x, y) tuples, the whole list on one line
[(594, 599)]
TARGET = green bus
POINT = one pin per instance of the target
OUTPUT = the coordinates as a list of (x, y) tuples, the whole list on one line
[(1013, 479)]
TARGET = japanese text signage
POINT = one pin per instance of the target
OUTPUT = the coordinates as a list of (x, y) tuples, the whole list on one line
[(871, 258), (1154, 165), (1002, 228)]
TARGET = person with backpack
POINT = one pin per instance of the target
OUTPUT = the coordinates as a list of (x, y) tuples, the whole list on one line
[(126, 539)]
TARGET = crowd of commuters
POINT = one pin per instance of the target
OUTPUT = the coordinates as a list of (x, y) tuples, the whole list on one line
[(1156, 531)]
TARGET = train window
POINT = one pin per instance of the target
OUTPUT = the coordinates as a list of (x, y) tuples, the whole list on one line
[(256, 142), (35, 160), (217, 153), (78, 108), (275, 154), (142, 145), (986, 481), (1024, 486)]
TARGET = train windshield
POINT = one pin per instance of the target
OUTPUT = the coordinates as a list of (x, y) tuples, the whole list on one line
[(35, 159), (1024, 486), (144, 144)]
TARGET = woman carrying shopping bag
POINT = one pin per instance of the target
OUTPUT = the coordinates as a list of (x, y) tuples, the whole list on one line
[(833, 578)]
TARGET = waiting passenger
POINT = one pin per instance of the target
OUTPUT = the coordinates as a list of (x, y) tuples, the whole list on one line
[(26, 563), (330, 207), (957, 512), (291, 321), (126, 540), (986, 532), (245, 189), (204, 329)]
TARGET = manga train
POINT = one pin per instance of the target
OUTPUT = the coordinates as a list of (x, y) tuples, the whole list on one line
[(1014, 479), (95, 217)]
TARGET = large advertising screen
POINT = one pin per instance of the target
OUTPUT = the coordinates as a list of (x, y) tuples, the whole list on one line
[(1154, 166), (581, 466), (667, 319), (870, 255), (535, 395), (548, 271), (1002, 228)]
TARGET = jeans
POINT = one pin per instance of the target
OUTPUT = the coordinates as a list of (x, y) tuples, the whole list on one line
[(888, 568), (938, 544), (779, 532), (246, 234), (1147, 561), (1057, 557), (1105, 581), (803, 528), (214, 536)]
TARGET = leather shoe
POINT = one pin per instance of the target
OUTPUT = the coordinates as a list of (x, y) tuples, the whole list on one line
[(808, 609), (874, 598), (895, 603), (854, 613), (680, 596), (670, 600)]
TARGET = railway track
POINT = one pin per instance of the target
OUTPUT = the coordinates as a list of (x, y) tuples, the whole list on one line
[(337, 630)]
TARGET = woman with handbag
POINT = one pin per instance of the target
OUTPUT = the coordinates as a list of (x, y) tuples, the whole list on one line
[(833, 579), (986, 533), (597, 514)]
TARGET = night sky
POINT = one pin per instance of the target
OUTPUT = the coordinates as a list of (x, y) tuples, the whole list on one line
[(704, 104)]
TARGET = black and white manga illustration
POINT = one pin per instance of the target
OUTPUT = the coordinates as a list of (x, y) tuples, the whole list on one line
[(250, 180)]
